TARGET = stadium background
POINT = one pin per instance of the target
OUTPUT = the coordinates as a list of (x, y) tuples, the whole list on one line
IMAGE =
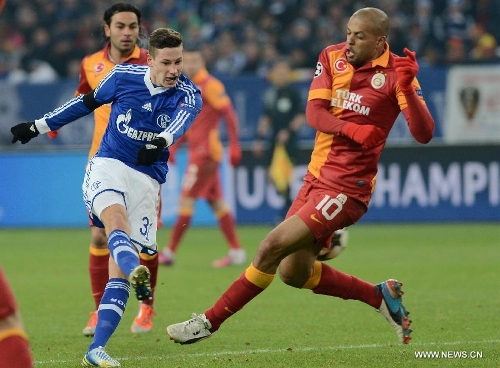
[(455, 178)]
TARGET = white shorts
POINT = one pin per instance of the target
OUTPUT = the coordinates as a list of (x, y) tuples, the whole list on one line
[(108, 181)]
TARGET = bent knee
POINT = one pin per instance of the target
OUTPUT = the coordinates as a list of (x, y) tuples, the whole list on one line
[(291, 279)]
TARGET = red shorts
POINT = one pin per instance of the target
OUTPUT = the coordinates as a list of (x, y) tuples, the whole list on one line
[(324, 209), (8, 303), (202, 180)]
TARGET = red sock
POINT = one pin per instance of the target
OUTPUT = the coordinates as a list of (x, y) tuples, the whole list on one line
[(238, 295), (180, 227), (228, 228), (8, 304), (98, 269), (152, 264), (342, 285), (15, 350)]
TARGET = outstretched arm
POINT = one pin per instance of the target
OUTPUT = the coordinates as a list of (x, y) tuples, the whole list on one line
[(419, 119), (72, 110)]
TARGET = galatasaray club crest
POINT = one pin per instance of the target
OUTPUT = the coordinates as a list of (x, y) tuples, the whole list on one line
[(98, 68), (340, 65), (378, 80)]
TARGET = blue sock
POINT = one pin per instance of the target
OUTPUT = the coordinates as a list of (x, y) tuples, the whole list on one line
[(110, 311), (122, 251)]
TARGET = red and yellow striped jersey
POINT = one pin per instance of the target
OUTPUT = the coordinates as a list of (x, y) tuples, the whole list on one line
[(367, 95)]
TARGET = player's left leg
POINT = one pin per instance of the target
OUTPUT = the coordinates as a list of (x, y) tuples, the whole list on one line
[(124, 269), (385, 297), (212, 192), (129, 217), (143, 322), (181, 225), (236, 254), (288, 237), (14, 346), (110, 313)]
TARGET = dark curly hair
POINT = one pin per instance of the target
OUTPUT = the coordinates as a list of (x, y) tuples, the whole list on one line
[(120, 8)]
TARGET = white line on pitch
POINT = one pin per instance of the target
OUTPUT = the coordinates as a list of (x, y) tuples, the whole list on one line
[(270, 351)]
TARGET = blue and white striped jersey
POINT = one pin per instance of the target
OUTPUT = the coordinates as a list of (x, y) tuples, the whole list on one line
[(139, 112)]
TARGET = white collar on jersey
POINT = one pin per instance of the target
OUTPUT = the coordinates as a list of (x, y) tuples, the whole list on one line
[(151, 87)]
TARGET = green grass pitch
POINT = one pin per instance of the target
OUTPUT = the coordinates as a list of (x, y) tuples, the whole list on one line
[(451, 276)]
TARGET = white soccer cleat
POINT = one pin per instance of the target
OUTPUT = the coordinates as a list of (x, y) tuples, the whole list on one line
[(99, 358), (190, 331)]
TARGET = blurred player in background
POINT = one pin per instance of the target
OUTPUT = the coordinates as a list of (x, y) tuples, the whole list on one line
[(358, 90), (283, 115), (205, 150), (14, 346), (122, 28), (151, 107)]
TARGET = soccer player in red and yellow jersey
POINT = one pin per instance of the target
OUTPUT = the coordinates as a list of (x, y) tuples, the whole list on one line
[(202, 177), (122, 25), (358, 90), (14, 346)]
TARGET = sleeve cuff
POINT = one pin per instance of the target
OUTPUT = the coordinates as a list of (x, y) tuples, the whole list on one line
[(169, 138), (42, 126)]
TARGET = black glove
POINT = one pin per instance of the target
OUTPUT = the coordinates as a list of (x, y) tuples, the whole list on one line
[(149, 153), (24, 132)]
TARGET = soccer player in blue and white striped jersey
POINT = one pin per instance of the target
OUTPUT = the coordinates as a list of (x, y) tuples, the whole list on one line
[(151, 107)]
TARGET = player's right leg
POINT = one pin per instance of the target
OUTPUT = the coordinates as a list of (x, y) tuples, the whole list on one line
[(236, 254), (14, 346), (289, 236), (98, 357), (186, 205), (325, 280), (393, 310)]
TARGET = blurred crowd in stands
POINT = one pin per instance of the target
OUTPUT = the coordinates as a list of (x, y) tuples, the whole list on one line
[(43, 40)]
